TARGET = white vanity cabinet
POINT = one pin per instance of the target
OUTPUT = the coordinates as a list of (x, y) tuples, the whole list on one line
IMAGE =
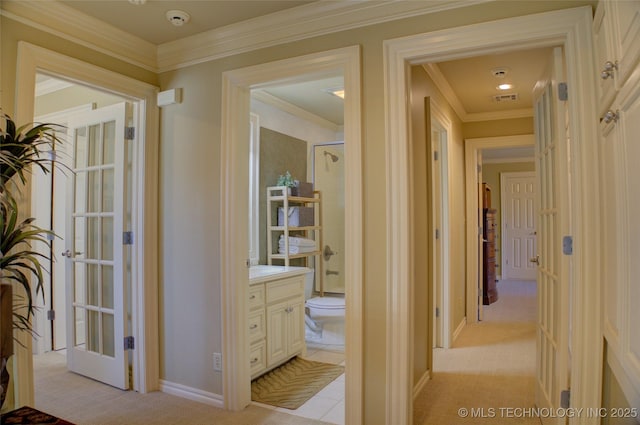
[(276, 322)]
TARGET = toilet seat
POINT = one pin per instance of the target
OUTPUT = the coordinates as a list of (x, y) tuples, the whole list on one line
[(326, 303)]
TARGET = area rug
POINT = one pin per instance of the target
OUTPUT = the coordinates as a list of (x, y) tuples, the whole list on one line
[(293, 383), (29, 416)]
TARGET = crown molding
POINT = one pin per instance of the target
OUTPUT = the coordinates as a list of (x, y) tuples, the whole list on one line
[(441, 82), (65, 22), (298, 23), (280, 104), (51, 86)]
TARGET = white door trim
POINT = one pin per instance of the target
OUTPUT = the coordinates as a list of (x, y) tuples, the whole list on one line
[(503, 207), (572, 29), (32, 59), (234, 276)]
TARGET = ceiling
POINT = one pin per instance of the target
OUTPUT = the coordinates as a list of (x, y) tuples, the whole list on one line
[(471, 81)]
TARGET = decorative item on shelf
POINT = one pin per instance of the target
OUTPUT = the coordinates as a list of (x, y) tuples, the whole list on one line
[(298, 216), (295, 187), (286, 180)]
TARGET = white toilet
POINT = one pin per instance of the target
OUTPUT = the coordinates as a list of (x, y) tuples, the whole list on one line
[(325, 316)]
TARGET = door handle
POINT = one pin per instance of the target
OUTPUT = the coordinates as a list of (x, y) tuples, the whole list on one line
[(68, 254), (535, 260)]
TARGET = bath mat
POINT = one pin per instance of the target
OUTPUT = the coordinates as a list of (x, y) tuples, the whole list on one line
[(293, 383), (29, 416)]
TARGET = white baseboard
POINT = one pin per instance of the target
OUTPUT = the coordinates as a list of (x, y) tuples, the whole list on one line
[(456, 333), (179, 390), (417, 389)]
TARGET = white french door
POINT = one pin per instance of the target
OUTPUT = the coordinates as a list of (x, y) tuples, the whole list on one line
[(518, 225), (552, 162), (95, 254)]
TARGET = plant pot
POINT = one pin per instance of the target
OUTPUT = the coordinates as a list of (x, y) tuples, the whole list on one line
[(6, 336)]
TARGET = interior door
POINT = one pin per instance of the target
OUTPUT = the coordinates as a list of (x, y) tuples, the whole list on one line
[(480, 194), (552, 162), (519, 226), (95, 255)]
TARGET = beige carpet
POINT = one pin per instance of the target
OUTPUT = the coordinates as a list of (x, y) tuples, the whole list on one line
[(490, 370), (293, 383)]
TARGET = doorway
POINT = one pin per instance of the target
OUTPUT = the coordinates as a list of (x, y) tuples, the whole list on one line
[(236, 87), (33, 60), (570, 28)]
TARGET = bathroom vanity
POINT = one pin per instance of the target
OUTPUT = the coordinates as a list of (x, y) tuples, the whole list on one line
[(276, 316)]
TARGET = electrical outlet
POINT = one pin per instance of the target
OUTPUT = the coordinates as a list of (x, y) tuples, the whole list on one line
[(217, 362)]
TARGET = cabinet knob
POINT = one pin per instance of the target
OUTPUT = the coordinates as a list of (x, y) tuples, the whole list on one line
[(254, 326), (254, 360), (608, 69)]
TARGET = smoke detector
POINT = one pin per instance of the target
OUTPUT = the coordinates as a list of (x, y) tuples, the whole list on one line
[(178, 17)]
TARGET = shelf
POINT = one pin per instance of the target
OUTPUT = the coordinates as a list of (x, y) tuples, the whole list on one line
[(294, 228)]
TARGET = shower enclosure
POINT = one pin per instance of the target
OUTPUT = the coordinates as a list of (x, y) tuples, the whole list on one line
[(328, 177)]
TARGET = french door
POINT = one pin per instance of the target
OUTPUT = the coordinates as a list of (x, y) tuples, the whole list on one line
[(96, 254)]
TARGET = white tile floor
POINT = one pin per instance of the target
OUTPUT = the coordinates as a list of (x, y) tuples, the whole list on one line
[(328, 405)]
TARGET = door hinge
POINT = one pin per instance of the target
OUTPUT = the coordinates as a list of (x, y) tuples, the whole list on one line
[(127, 238), (563, 91), (51, 315), (479, 168), (437, 233), (565, 399), (437, 311), (129, 343), (435, 155), (567, 245), (129, 133)]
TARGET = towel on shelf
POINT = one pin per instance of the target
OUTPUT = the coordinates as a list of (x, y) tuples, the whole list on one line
[(297, 241), (293, 250)]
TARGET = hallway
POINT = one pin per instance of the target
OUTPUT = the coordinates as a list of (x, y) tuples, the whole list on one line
[(490, 372)]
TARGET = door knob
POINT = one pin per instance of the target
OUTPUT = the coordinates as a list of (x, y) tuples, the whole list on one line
[(68, 254), (535, 260)]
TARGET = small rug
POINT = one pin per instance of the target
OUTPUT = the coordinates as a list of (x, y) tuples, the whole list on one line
[(29, 416), (293, 383)]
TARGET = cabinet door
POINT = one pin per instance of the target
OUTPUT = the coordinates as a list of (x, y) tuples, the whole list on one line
[(629, 127), (625, 26), (296, 326), (277, 329), (604, 52)]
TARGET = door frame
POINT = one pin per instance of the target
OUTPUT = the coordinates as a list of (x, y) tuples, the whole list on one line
[(472, 149), (503, 207), (570, 28), (234, 274), (32, 59)]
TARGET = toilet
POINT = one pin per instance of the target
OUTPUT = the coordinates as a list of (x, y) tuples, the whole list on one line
[(324, 316)]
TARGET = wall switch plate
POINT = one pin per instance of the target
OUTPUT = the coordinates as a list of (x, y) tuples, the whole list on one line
[(217, 362)]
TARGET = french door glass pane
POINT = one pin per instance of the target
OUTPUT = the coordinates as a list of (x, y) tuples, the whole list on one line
[(93, 329), (81, 191), (94, 145), (79, 317), (93, 237), (108, 332), (109, 142), (92, 284), (81, 147), (107, 238), (93, 178), (79, 279), (107, 286), (107, 190)]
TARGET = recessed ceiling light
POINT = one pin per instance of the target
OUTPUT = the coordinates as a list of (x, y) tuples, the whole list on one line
[(500, 72), (338, 91), (138, 2), (505, 86)]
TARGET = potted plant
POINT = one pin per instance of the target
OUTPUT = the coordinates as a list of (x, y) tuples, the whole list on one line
[(287, 181), (20, 265)]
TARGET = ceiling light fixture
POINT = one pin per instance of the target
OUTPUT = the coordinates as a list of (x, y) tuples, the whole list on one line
[(178, 17), (138, 2), (505, 86)]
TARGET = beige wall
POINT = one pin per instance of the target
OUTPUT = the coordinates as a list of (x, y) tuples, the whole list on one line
[(71, 97), (189, 202), (491, 175)]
